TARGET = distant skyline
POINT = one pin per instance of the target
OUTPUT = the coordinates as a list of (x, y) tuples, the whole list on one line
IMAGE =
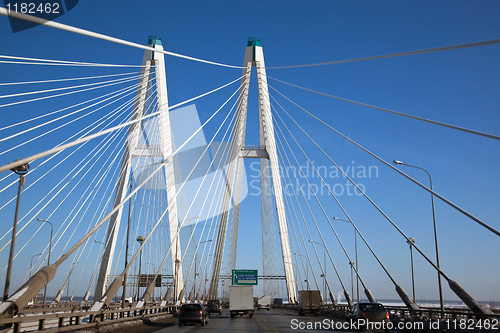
[(459, 87)]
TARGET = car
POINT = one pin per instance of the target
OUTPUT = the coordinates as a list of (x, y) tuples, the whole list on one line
[(193, 313), (128, 301), (361, 314), (214, 306)]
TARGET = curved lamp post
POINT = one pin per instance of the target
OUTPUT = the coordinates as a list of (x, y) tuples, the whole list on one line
[(411, 242), (324, 273), (50, 250), (435, 232), (154, 271), (307, 274), (20, 170), (31, 264), (140, 239), (68, 299), (356, 251), (195, 267), (124, 290)]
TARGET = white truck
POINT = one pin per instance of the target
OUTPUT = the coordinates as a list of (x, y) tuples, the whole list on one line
[(264, 302), (241, 301)]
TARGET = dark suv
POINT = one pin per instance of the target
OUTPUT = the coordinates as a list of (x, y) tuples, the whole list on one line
[(361, 313), (193, 313), (214, 306)]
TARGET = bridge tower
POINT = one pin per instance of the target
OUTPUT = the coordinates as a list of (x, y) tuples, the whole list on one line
[(166, 147), (267, 154)]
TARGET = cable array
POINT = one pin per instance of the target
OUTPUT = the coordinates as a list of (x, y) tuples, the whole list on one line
[(75, 150)]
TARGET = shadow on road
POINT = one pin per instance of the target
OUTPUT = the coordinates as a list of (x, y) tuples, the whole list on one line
[(160, 323)]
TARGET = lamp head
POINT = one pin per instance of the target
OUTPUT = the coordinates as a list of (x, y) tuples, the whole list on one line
[(21, 169), (397, 162)]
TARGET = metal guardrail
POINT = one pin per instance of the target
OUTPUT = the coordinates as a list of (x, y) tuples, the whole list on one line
[(36, 319), (68, 318), (403, 312), (435, 313)]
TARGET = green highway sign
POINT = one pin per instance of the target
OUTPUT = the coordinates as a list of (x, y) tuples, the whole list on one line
[(243, 277)]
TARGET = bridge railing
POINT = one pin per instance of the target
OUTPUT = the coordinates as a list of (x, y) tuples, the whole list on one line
[(435, 313), (37, 319)]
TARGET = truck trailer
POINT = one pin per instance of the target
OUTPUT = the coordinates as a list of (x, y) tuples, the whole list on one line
[(264, 302), (241, 301), (309, 302)]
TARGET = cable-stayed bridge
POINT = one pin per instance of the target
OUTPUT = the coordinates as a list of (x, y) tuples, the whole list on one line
[(143, 198)]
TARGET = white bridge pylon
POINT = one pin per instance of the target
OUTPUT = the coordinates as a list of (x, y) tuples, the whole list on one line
[(166, 147), (267, 154)]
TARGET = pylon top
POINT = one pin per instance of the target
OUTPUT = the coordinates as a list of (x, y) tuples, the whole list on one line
[(253, 41), (154, 40)]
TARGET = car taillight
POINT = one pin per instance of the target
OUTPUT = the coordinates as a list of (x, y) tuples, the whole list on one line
[(363, 315), (179, 312), (201, 312), (387, 315)]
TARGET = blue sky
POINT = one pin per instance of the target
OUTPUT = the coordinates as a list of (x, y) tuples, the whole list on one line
[(460, 87)]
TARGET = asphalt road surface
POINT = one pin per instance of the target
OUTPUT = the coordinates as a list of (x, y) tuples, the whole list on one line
[(274, 320)]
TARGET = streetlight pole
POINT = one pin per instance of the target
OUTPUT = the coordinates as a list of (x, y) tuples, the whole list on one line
[(31, 264), (195, 267), (222, 285), (177, 261), (124, 290), (324, 273), (307, 273), (356, 251), (140, 239), (435, 233), (206, 278), (50, 250), (281, 283), (71, 272), (411, 242), (154, 272), (20, 170)]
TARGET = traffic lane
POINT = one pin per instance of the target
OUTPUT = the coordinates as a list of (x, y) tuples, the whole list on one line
[(283, 320), (218, 323), (273, 321)]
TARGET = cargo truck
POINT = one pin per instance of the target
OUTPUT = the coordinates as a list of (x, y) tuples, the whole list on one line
[(309, 302), (277, 303), (241, 300), (264, 302)]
